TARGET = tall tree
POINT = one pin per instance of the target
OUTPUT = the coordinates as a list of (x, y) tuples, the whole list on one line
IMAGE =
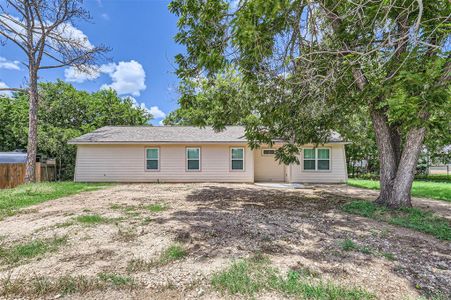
[(44, 31), (64, 113), (306, 64)]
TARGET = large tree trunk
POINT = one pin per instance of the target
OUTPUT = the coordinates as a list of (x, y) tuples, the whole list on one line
[(30, 173), (400, 196), (387, 156), (397, 169)]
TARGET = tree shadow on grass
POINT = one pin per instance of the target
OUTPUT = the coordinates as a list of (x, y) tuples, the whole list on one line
[(235, 222)]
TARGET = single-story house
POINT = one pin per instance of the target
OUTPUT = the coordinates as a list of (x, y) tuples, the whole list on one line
[(192, 154)]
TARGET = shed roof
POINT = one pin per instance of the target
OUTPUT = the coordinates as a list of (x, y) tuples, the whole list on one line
[(167, 134), (12, 157)]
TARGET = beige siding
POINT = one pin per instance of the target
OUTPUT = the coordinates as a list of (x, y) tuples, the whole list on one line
[(126, 163), (337, 173), (267, 168)]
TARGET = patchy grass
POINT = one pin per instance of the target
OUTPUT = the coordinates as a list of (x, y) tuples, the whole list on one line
[(156, 207), (116, 280), (30, 249), (413, 218), (388, 256), (425, 189), (44, 287), (350, 245), (11, 200), (95, 219), (146, 221), (139, 265), (250, 277), (172, 253), (126, 235)]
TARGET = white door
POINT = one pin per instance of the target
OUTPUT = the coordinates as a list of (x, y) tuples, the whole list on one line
[(266, 168)]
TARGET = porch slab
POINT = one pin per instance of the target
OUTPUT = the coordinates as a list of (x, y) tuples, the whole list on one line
[(280, 185)]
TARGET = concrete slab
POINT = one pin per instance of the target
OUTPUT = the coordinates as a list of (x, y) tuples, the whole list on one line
[(280, 185)]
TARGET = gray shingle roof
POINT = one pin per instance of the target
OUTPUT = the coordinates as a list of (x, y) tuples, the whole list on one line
[(161, 134), (167, 134)]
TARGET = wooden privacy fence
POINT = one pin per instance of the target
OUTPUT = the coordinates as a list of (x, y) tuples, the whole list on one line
[(12, 175)]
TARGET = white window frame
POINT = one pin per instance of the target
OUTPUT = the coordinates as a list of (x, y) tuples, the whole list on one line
[(187, 159), (264, 149), (316, 159), (146, 159), (231, 159)]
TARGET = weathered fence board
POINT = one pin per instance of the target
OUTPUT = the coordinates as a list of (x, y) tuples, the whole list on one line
[(12, 175)]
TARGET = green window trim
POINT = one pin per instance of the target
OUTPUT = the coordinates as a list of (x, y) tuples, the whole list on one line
[(152, 159), (193, 158), (316, 159), (237, 159)]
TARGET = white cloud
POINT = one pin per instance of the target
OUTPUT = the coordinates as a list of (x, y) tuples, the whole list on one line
[(71, 35), (75, 75), (157, 113), (105, 16), (128, 78), (161, 123), (9, 64), (107, 68), (3, 86)]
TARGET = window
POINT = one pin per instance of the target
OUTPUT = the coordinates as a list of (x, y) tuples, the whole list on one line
[(317, 159), (309, 159), (237, 158), (193, 159), (152, 159), (268, 152)]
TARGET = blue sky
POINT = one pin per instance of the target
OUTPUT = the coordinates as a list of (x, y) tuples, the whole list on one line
[(140, 34)]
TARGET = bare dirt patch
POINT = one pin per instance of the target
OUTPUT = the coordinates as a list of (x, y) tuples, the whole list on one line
[(217, 224)]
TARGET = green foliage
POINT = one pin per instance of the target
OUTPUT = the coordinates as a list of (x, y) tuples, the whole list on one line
[(414, 218), (11, 200), (426, 189), (285, 70), (64, 113), (250, 277)]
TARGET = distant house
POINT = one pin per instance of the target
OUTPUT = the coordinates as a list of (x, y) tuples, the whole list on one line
[(192, 154), (440, 169)]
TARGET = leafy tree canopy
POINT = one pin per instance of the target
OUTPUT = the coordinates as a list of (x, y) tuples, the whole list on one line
[(305, 66), (64, 113)]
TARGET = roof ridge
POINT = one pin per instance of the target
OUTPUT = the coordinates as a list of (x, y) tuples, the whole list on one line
[(167, 126)]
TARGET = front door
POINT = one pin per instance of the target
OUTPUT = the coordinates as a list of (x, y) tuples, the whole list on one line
[(266, 168)]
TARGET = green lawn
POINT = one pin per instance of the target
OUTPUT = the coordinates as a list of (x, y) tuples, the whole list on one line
[(425, 189), (29, 194), (413, 218)]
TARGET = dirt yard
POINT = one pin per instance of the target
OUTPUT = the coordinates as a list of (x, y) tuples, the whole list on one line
[(217, 224)]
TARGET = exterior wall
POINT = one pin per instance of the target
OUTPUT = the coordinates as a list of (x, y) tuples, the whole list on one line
[(267, 168), (126, 163), (336, 174)]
